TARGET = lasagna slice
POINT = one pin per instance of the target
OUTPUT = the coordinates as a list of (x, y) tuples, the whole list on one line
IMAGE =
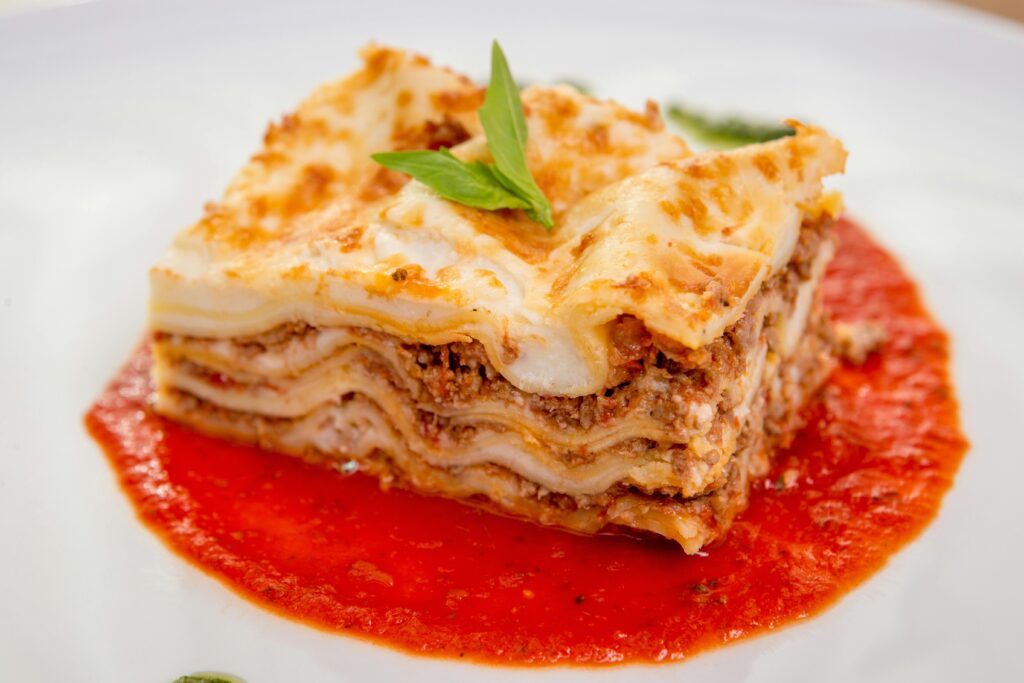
[(630, 370)]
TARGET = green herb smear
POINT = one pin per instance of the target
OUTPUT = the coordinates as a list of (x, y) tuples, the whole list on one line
[(208, 677), (726, 131), (505, 184)]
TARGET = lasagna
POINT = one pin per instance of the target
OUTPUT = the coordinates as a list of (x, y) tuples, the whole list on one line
[(630, 370)]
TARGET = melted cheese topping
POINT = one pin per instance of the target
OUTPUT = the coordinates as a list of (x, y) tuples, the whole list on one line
[(313, 230)]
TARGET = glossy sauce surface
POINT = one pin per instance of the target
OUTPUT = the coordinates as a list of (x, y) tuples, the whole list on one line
[(866, 475)]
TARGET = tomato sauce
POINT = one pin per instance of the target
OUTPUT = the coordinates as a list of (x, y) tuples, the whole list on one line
[(428, 575)]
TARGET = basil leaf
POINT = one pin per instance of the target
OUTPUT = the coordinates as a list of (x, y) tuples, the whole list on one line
[(505, 127), (507, 184), (725, 132), (472, 184)]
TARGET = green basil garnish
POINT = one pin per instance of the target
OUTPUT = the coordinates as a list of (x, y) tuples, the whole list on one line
[(505, 184)]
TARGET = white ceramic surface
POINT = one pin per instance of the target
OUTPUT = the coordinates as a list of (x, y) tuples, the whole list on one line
[(118, 120)]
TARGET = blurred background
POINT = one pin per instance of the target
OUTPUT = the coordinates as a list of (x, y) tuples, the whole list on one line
[(1014, 9), (1011, 9)]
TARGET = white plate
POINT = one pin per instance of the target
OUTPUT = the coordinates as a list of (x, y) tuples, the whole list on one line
[(118, 120)]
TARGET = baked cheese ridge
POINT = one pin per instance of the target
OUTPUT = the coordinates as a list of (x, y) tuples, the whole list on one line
[(313, 230)]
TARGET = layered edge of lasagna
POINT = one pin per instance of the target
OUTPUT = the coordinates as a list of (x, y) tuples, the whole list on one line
[(669, 447)]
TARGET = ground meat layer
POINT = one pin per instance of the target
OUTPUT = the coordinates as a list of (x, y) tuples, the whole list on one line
[(692, 522)]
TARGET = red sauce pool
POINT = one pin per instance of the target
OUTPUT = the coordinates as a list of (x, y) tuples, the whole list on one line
[(428, 575)]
